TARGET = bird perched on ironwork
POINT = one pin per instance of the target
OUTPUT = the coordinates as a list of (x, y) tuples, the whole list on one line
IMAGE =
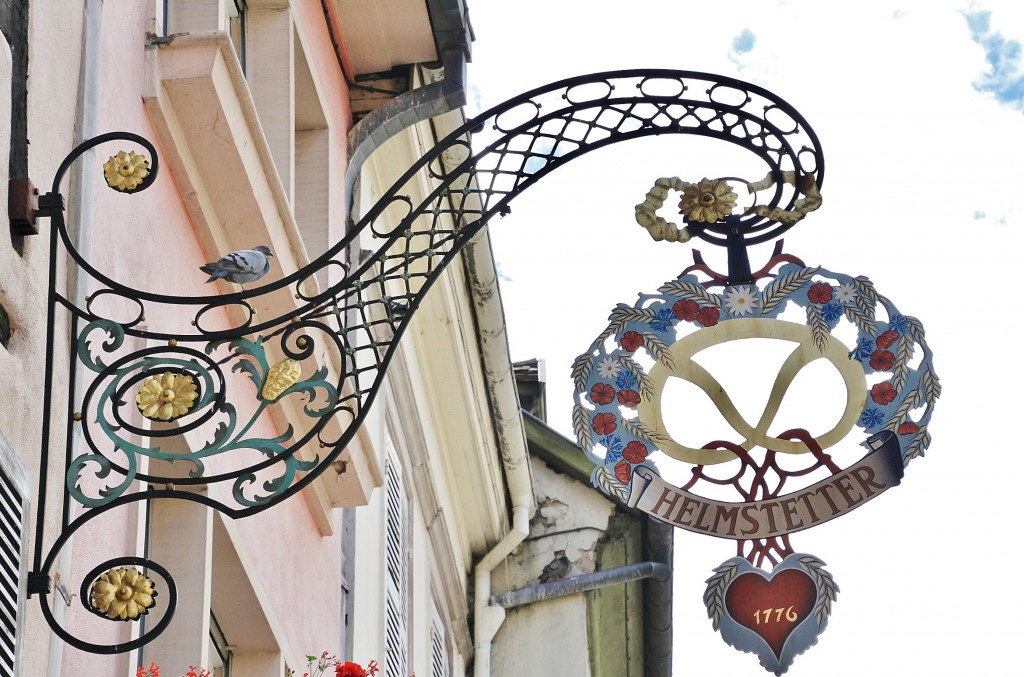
[(240, 267), (398, 309), (556, 569)]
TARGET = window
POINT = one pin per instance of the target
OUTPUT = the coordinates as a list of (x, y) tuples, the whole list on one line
[(348, 561), (440, 666), (396, 598), (220, 652), (191, 16)]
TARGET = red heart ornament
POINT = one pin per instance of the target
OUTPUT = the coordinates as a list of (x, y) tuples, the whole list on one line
[(771, 607)]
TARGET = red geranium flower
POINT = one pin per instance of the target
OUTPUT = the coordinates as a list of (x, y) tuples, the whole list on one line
[(820, 293), (623, 471), (631, 340), (685, 310), (908, 428), (708, 317), (635, 452), (349, 669), (602, 393), (882, 360), (883, 393), (887, 338), (628, 398), (604, 424)]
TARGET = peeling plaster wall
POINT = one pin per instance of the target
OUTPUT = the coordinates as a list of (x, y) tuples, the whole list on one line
[(571, 518)]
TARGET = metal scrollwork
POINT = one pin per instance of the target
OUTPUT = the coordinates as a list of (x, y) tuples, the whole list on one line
[(325, 356)]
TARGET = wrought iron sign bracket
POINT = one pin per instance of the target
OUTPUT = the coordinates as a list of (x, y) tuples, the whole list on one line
[(149, 367), (39, 584)]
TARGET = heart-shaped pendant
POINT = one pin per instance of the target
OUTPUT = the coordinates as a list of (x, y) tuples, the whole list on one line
[(776, 616)]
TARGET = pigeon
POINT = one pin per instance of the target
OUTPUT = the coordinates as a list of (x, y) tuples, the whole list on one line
[(240, 267), (556, 568), (398, 309)]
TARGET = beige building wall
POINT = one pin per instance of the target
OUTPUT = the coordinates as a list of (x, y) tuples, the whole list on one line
[(435, 411)]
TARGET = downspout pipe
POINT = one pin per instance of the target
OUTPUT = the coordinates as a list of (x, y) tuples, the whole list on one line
[(506, 415), (478, 259), (487, 617), (577, 584)]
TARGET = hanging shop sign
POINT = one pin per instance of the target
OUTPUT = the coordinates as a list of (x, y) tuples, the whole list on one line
[(623, 420)]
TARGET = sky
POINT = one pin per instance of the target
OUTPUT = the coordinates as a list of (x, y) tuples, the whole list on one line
[(919, 107)]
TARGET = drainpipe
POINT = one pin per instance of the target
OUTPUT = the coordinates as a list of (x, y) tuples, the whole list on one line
[(659, 571), (478, 260), (487, 617), (80, 211), (506, 414)]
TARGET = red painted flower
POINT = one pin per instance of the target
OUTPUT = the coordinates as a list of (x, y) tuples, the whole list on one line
[(708, 317), (604, 424), (820, 293), (628, 398), (623, 471), (887, 338), (602, 393), (908, 428), (349, 669), (631, 340), (882, 360), (685, 310), (635, 452), (883, 393)]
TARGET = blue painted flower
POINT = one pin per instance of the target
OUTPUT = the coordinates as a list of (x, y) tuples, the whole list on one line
[(614, 447), (872, 418), (662, 319), (865, 346), (832, 311), (899, 323), (626, 381)]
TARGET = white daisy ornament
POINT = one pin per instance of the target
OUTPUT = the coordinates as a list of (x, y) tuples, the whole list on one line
[(740, 300)]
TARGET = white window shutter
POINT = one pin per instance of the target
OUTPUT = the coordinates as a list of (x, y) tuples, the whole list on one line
[(14, 488), (440, 665), (396, 615)]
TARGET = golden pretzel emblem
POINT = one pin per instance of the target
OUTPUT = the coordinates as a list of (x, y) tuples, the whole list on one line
[(651, 411)]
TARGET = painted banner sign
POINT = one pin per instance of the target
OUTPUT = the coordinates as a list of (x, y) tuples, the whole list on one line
[(879, 470)]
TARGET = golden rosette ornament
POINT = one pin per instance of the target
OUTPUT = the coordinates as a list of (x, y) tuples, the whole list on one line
[(122, 594), (166, 396), (126, 170), (707, 201)]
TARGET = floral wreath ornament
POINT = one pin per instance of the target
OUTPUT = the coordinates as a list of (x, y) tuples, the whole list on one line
[(712, 199), (618, 420)]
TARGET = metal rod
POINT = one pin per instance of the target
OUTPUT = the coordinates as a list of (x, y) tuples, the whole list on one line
[(571, 586)]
